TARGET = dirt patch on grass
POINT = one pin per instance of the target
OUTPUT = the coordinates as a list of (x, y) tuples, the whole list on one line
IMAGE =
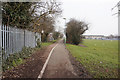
[(82, 45), (79, 68), (32, 66)]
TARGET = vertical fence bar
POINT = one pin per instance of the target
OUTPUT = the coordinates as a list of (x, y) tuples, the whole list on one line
[(21, 39), (15, 40), (18, 39), (7, 42), (29, 39), (12, 46), (14, 37), (19, 43), (24, 38), (0, 51), (35, 38), (3, 39), (0, 40), (40, 37), (10, 40), (0, 45), (32, 39)]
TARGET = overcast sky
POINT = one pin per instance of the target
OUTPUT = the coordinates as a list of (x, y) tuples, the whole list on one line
[(95, 12)]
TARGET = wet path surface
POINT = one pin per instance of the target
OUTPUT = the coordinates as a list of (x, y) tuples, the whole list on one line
[(59, 65)]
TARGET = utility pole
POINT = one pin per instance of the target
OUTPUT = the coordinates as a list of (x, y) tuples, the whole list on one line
[(118, 13), (118, 32), (118, 17)]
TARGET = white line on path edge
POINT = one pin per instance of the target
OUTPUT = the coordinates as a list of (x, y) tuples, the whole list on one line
[(44, 66)]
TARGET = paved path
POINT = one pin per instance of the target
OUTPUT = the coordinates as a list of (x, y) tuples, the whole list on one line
[(59, 65)]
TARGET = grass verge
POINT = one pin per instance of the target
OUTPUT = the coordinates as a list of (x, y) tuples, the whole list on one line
[(99, 57), (48, 43)]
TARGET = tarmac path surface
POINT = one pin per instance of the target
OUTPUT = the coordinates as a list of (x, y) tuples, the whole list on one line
[(59, 65)]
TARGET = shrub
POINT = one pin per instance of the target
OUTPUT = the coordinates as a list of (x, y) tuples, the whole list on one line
[(74, 31), (16, 59), (38, 43)]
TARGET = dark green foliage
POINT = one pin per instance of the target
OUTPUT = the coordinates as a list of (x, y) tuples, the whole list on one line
[(38, 43), (17, 58), (16, 14), (44, 36)]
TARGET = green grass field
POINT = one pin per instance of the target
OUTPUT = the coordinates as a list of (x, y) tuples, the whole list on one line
[(99, 57)]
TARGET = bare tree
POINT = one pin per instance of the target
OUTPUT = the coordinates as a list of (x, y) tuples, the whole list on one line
[(46, 9), (45, 15), (74, 31)]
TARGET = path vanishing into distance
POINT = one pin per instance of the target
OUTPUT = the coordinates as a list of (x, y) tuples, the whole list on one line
[(59, 65)]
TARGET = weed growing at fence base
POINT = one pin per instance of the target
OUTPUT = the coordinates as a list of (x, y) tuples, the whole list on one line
[(18, 58), (99, 57)]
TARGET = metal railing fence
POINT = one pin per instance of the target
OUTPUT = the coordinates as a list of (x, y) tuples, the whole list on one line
[(12, 40)]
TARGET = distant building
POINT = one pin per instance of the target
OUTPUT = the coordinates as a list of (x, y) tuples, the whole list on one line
[(101, 37), (93, 36), (112, 37)]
